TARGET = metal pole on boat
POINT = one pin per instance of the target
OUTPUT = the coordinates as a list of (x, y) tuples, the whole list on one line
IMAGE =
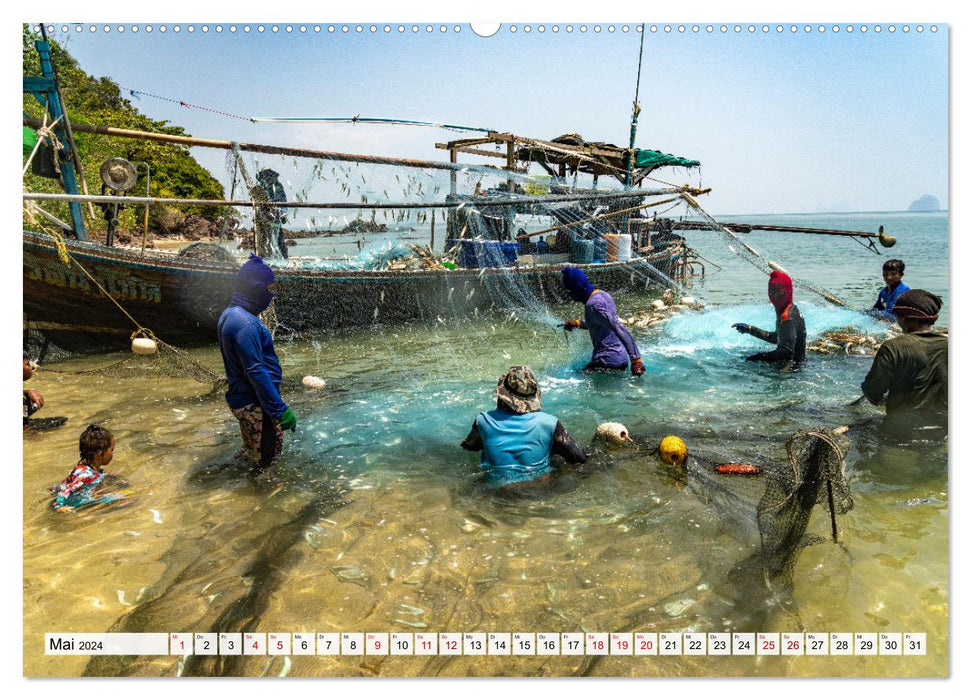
[(636, 112), (633, 127), (148, 184)]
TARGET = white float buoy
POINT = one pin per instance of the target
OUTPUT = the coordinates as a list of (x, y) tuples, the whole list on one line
[(613, 433), (143, 346), (312, 382)]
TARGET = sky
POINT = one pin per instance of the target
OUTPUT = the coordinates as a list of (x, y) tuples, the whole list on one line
[(790, 121)]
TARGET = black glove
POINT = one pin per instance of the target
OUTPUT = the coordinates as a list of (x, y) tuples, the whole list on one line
[(742, 327)]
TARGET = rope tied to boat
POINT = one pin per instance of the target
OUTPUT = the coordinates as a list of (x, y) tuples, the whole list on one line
[(45, 131), (187, 366), (753, 256)]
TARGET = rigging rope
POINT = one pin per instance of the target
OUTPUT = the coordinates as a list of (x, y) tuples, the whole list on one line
[(756, 258)]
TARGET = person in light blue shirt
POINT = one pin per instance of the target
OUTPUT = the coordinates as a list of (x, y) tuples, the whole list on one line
[(517, 439), (252, 367), (893, 272)]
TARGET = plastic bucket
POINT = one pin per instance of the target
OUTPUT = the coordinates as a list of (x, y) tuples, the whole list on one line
[(582, 251), (599, 250), (611, 239), (623, 247), (475, 254)]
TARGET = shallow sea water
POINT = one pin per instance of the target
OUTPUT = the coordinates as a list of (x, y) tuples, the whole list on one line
[(374, 520)]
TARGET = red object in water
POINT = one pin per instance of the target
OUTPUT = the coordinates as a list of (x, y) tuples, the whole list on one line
[(741, 469)]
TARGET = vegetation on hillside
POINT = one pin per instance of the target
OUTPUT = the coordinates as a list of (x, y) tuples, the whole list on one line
[(91, 100)]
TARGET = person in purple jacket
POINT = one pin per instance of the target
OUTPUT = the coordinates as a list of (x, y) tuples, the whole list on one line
[(612, 343), (252, 368)]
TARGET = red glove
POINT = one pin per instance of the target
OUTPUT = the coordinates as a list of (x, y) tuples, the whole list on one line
[(637, 367), (570, 325)]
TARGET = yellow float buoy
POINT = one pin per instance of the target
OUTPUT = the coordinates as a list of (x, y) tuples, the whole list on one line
[(673, 451)]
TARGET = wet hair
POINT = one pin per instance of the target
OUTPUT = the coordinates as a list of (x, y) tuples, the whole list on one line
[(93, 440), (894, 265)]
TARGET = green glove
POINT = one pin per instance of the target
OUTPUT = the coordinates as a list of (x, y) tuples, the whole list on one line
[(288, 421)]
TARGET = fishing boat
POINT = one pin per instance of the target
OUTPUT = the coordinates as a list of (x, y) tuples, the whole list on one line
[(181, 299), (85, 295)]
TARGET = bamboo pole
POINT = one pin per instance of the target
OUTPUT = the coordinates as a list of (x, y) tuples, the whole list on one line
[(886, 240), (484, 201), (598, 217), (271, 150)]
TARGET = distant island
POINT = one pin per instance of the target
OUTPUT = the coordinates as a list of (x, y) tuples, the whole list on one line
[(926, 203)]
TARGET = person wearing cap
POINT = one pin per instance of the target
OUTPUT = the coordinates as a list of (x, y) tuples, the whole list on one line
[(269, 180), (612, 343), (252, 368), (911, 369), (517, 439), (790, 328)]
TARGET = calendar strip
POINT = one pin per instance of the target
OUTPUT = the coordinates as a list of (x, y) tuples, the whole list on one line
[(487, 644)]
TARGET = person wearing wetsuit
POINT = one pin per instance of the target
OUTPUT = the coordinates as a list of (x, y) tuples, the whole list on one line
[(612, 343), (517, 439), (252, 368), (911, 369), (790, 328)]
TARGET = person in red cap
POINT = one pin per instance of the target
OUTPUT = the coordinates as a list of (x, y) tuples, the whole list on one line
[(790, 328)]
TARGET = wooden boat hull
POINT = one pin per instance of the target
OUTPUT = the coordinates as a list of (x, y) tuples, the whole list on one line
[(180, 300)]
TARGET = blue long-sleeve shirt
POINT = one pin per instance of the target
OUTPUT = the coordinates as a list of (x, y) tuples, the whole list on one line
[(252, 367), (886, 300), (612, 343)]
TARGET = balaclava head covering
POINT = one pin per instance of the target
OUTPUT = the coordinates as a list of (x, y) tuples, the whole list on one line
[(251, 281), (918, 305), (576, 283), (780, 290)]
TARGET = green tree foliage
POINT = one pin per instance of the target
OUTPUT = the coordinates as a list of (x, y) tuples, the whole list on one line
[(90, 100)]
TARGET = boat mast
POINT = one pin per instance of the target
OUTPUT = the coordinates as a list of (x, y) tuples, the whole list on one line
[(635, 113), (46, 91)]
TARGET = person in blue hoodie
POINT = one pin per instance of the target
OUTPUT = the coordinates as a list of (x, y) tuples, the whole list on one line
[(252, 368), (517, 439), (893, 272), (612, 343)]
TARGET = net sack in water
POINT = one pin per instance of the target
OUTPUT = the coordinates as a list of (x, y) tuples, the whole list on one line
[(816, 474)]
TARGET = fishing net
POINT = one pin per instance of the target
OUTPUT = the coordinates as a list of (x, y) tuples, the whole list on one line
[(742, 249), (815, 474), (168, 362)]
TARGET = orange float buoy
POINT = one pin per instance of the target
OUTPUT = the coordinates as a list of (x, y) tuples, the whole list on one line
[(739, 469)]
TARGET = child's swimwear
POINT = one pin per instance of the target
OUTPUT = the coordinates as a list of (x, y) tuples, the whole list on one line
[(81, 490)]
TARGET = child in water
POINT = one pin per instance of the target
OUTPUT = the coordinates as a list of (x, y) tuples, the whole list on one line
[(83, 486)]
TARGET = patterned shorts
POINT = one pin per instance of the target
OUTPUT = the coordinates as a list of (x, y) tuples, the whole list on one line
[(251, 427)]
